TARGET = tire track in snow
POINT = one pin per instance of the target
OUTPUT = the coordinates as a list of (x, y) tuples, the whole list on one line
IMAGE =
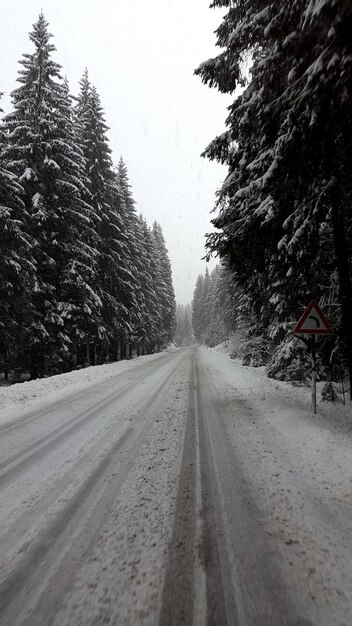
[(219, 610), (32, 453), (255, 592), (178, 591), (193, 591), (243, 581), (13, 585), (27, 595), (35, 414)]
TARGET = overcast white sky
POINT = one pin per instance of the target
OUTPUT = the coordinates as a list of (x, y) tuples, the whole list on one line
[(141, 56)]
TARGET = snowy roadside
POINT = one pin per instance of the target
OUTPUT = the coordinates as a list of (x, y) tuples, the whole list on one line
[(260, 384), (323, 440), (34, 395), (299, 466)]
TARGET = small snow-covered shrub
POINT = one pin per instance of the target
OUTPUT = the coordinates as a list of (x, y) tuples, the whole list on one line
[(329, 393), (255, 352), (290, 361), (235, 344)]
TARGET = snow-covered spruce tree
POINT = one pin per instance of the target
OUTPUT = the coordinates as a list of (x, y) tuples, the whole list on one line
[(290, 361), (201, 307), (80, 278), (197, 307), (113, 275), (219, 308), (42, 152), (164, 286), (151, 327), (134, 262), (17, 267), (285, 203), (204, 309)]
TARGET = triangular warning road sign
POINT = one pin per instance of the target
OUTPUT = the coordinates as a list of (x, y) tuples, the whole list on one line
[(313, 321)]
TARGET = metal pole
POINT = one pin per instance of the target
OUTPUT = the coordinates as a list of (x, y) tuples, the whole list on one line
[(314, 375)]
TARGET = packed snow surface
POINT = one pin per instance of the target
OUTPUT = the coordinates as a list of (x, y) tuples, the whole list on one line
[(36, 395), (104, 490)]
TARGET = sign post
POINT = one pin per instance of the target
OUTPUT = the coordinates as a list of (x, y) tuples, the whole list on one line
[(314, 374), (313, 322)]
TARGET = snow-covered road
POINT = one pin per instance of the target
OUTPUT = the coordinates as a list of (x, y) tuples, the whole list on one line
[(179, 488)]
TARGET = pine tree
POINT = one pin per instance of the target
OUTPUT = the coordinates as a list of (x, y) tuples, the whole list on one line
[(152, 313), (219, 326), (132, 252), (197, 308), (201, 307), (17, 266), (113, 274), (165, 289), (204, 313), (42, 150)]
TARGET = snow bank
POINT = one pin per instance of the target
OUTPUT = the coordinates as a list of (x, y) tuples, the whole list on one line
[(328, 410)]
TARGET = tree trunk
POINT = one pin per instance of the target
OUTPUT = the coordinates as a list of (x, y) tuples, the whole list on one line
[(87, 353), (74, 356), (6, 365)]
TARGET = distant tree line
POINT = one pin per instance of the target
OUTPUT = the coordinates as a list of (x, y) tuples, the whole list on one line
[(212, 310), (83, 279), (284, 219), (222, 313), (184, 335)]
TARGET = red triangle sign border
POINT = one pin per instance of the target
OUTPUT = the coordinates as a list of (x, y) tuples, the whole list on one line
[(325, 330)]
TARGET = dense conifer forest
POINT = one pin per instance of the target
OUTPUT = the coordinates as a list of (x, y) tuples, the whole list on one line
[(83, 278), (284, 220)]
